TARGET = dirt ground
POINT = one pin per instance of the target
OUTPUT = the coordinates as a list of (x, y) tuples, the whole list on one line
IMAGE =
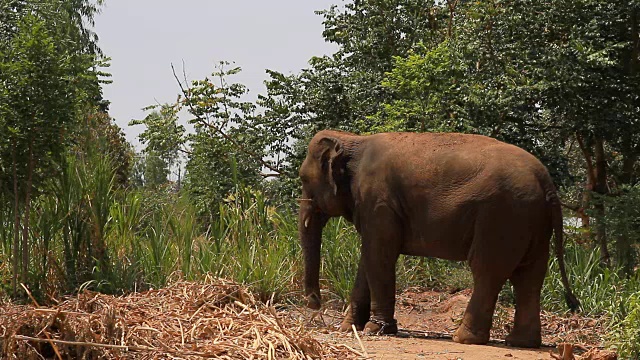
[(216, 317), (427, 319), (413, 348)]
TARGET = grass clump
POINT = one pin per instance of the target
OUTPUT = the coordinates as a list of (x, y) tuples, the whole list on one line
[(340, 257), (625, 333), (600, 289)]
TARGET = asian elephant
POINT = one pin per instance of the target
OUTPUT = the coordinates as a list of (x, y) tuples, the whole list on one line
[(451, 196)]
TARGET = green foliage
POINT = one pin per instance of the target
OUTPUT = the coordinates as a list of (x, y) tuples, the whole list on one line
[(603, 292), (155, 170), (163, 136), (98, 133), (625, 335), (340, 255), (250, 246), (426, 89), (558, 78), (432, 273), (623, 225), (164, 139), (600, 289), (48, 80), (343, 91), (227, 145)]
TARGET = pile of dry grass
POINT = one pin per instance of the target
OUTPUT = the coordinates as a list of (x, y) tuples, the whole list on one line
[(186, 320), (573, 328)]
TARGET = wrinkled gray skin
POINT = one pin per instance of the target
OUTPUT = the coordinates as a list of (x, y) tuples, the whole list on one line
[(451, 196)]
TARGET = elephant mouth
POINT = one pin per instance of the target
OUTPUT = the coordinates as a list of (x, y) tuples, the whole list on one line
[(312, 208)]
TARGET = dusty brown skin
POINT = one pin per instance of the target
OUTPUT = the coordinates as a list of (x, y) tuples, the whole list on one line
[(451, 196)]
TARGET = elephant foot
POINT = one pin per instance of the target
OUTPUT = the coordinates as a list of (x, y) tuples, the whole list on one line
[(313, 301), (345, 326), (356, 315), (464, 335), (377, 327), (524, 339)]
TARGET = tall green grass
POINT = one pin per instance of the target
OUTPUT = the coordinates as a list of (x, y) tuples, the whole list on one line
[(340, 256), (601, 290), (246, 243), (87, 233)]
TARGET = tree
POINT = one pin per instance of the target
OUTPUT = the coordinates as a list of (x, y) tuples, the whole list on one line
[(558, 78), (47, 75), (106, 138), (163, 136), (343, 91), (542, 75), (165, 139), (229, 142)]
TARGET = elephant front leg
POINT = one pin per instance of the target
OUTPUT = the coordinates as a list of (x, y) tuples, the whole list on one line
[(382, 284), (380, 251), (360, 307)]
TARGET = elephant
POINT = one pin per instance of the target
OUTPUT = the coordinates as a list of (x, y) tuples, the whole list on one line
[(453, 196)]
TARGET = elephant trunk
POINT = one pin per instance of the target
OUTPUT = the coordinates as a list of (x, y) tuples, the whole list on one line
[(310, 224)]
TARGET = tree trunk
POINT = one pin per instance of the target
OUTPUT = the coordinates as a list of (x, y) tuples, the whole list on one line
[(452, 11), (584, 218), (634, 59), (588, 186), (597, 183), (27, 216), (628, 164), (16, 222), (600, 187)]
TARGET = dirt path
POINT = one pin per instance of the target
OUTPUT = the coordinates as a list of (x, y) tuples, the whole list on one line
[(427, 312), (413, 348)]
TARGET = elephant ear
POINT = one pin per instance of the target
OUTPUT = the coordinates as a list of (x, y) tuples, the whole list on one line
[(331, 160)]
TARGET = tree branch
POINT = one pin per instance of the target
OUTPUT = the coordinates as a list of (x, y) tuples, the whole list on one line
[(185, 93)]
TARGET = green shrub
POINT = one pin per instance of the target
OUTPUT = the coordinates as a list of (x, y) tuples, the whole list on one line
[(433, 273), (625, 334), (250, 243)]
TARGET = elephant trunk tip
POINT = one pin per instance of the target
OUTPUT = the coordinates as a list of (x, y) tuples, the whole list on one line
[(313, 301)]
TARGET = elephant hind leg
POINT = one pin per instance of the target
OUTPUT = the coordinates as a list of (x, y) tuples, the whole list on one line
[(527, 282), (477, 319), (494, 254)]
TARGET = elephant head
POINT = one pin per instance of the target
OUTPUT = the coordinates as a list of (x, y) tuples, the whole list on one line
[(325, 194)]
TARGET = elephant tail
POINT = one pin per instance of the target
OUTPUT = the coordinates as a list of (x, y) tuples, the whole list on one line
[(557, 222)]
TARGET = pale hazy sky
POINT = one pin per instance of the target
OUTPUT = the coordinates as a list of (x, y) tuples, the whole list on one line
[(143, 38)]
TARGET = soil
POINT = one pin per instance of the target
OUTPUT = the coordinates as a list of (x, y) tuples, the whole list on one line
[(187, 319), (427, 319)]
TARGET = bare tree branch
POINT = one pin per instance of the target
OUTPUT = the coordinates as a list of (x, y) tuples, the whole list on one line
[(239, 146)]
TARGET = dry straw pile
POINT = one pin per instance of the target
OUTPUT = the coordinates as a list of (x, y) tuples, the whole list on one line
[(214, 319)]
